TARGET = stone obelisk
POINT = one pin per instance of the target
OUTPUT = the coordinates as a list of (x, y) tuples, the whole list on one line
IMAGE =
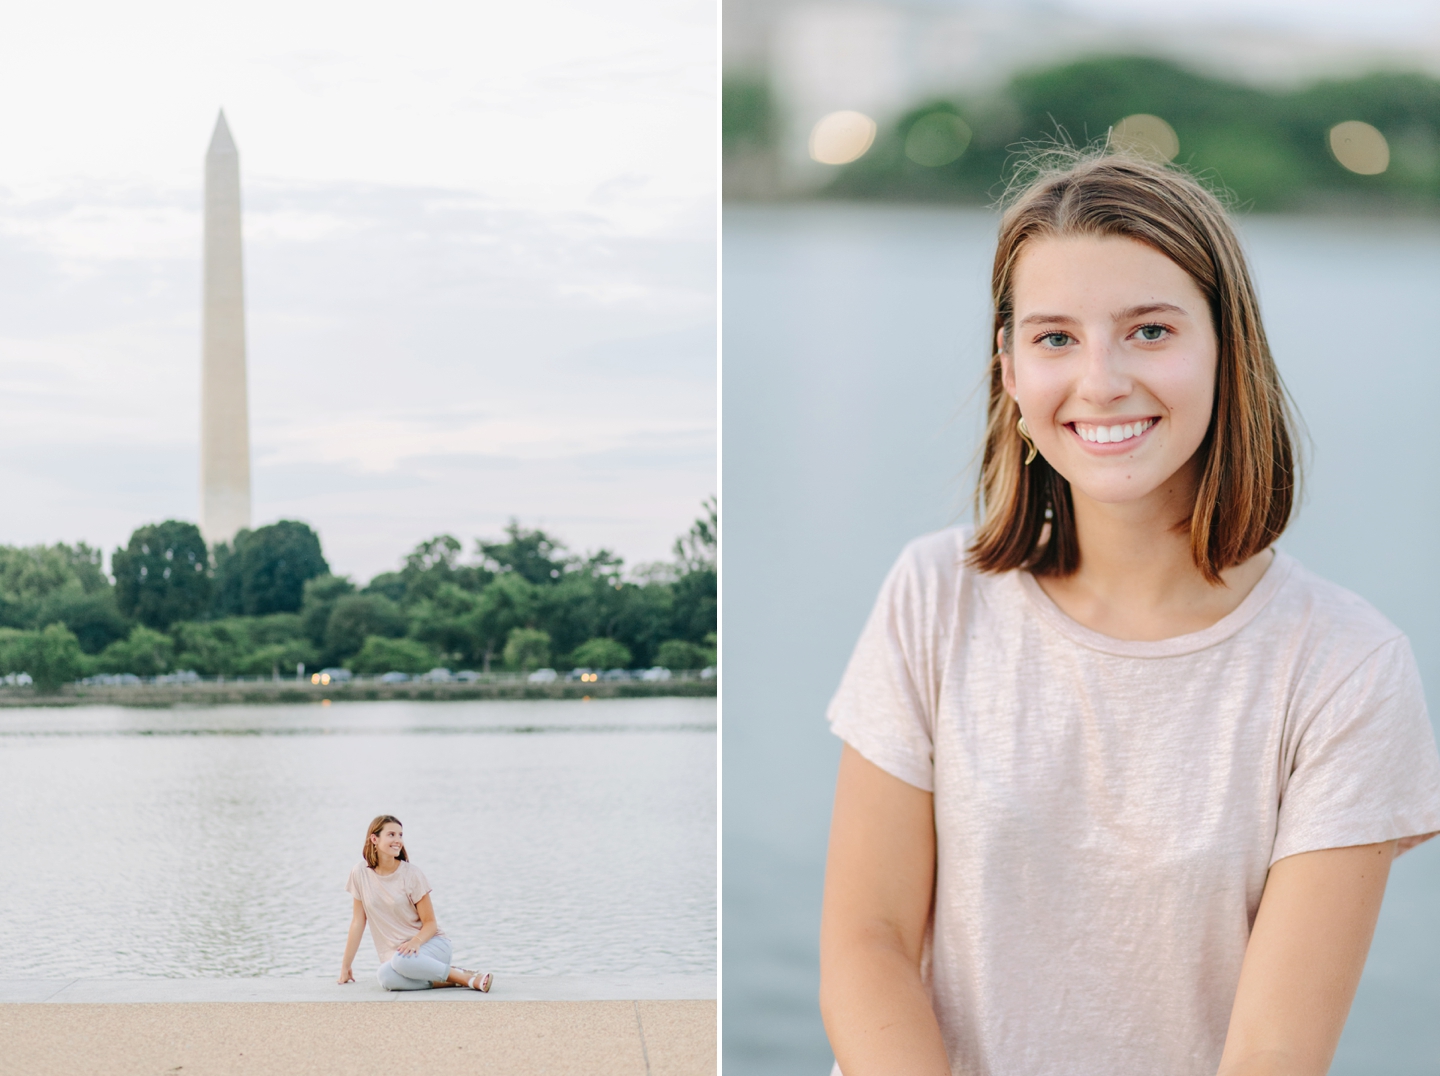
[(224, 412)]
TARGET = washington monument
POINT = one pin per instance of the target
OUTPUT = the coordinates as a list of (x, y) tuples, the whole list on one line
[(224, 412)]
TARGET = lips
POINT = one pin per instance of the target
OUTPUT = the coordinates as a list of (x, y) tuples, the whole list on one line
[(1114, 433)]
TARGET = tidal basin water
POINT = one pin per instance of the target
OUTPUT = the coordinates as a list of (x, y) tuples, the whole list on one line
[(855, 349), (560, 837)]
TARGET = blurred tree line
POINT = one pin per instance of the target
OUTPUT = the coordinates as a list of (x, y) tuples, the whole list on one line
[(1269, 147), (267, 601)]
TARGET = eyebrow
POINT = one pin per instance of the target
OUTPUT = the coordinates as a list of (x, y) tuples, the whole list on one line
[(1122, 315)]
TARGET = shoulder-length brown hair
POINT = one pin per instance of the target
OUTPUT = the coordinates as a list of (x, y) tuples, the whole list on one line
[(372, 857), (1249, 469)]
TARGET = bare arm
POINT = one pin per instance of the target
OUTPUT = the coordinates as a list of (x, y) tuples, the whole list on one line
[(879, 883), (428, 926), (352, 943), (1304, 960)]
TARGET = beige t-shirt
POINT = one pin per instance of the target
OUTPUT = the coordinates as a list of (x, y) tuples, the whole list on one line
[(389, 902), (1106, 811)]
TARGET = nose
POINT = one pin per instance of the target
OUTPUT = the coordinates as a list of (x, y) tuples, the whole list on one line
[(1103, 380)]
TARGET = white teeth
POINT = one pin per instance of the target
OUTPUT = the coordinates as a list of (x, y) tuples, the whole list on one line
[(1105, 435)]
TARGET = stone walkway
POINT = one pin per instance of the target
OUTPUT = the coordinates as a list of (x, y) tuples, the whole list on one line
[(207, 1027)]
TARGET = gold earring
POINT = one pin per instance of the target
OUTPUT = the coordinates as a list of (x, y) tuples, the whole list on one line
[(1025, 436)]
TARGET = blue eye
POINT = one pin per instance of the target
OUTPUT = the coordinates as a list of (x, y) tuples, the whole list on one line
[(1151, 333), (1055, 339)]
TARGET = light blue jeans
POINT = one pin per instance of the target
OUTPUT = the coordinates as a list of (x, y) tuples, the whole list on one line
[(416, 971)]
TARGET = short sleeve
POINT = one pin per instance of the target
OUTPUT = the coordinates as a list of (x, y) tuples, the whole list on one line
[(1365, 769), (352, 885), (884, 706), (416, 884)]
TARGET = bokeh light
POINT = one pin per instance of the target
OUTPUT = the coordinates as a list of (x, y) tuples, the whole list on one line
[(1360, 147), (842, 137), (937, 139), (1146, 135)]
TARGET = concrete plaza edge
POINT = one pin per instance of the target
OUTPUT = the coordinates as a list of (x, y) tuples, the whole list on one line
[(82, 991)]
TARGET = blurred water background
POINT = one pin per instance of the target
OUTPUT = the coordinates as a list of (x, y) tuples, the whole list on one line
[(854, 350), (560, 837)]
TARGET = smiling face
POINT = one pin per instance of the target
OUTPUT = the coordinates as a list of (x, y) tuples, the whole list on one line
[(389, 842), (1113, 364)]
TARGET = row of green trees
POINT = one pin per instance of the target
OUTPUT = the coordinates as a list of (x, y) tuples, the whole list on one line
[(268, 602), (1269, 147)]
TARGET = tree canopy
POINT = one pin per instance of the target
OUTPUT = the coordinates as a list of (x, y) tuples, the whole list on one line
[(532, 555), (1269, 147), (265, 570), (267, 602), (163, 574)]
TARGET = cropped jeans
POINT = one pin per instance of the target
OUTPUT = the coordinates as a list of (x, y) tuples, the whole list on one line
[(416, 971)]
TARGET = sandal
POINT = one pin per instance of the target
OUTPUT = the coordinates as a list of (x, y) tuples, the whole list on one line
[(480, 982)]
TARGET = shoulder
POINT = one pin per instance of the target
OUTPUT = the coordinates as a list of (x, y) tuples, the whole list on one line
[(1334, 620), (359, 879), (939, 555), (932, 565), (929, 594), (932, 579), (1328, 636), (414, 877)]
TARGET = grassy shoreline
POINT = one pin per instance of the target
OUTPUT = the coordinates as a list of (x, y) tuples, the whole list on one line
[(265, 692)]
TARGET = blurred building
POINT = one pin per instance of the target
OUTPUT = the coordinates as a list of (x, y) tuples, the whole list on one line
[(811, 58)]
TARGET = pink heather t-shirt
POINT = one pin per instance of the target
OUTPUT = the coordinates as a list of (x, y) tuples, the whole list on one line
[(1106, 811), (389, 902)]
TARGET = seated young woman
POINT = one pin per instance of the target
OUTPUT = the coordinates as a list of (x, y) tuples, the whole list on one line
[(1121, 782), (392, 896)]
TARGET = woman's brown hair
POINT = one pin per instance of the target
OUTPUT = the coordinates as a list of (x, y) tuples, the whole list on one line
[(372, 857), (1248, 471)]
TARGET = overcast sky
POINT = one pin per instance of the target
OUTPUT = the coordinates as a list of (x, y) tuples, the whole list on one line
[(1396, 21), (480, 246)]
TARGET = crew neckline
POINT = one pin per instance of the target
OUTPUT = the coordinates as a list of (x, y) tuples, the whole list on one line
[(384, 877), (1260, 594)]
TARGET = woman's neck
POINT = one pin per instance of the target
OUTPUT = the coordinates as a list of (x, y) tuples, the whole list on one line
[(1137, 578), (386, 864)]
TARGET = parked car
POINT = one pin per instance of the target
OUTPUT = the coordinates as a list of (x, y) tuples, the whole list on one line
[(586, 676), (437, 676), (542, 676), (707, 673), (394, 678), (24, 680), (615, 674), (657, 672), (101, 679), (468, 676), (332, 676)]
